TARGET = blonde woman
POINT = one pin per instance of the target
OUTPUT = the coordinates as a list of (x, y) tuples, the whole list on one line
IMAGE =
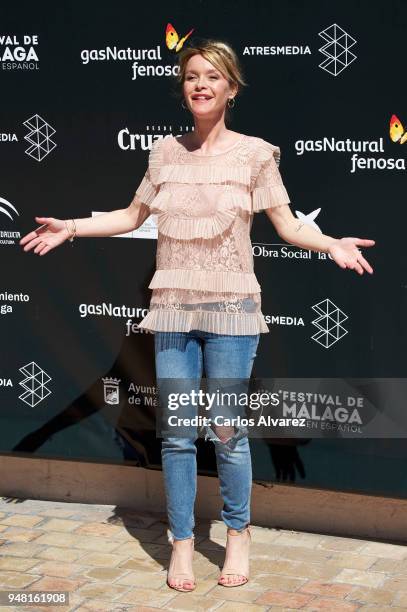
[(205, 309)]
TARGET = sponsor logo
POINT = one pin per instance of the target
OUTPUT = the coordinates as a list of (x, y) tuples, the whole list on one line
[(377, 161), (39, 137), (19, 53), (34, 383), (141, 59), (282, 250), (6, 382), (329, 323), (397, 131), (11, 297), (111, 390), (111, 310), (336, 50), (8, 236)]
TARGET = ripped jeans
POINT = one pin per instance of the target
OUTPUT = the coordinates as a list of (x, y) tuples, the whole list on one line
[(184, 355)]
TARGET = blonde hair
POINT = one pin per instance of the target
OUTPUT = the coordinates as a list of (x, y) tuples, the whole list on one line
[(219, 54)]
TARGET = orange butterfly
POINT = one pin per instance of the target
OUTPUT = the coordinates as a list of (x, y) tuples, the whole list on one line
[(397, 131), (173, 40)]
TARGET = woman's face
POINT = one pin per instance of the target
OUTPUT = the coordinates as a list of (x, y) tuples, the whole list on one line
[(202, 78)]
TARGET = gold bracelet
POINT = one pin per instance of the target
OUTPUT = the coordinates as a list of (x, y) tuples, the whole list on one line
[(74, 230), (70, 232)]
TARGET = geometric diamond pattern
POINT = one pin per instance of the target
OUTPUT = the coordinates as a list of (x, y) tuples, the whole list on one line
[(329, 323), (39, 137), (34, 383), (338, 56)]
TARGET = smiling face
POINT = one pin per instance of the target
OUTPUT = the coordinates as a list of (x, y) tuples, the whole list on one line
[(206, 90)]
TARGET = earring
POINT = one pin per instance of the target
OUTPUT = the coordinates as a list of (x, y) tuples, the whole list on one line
[(231, 100), (182, 104)]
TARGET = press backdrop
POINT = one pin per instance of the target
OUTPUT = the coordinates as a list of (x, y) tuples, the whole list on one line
[(86, 88)]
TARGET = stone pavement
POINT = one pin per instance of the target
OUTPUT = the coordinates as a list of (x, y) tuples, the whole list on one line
[(111, 558)]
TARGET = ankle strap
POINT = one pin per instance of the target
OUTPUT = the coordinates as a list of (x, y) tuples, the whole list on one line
[(229, 532)]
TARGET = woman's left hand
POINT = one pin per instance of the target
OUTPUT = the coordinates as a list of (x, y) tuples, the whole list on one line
[(345, 252)]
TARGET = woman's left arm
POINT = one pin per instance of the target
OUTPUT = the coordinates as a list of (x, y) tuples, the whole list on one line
[(344, 251)]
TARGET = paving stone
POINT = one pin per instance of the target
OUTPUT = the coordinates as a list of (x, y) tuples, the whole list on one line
[(17, 520), (351, 560), (389, 565), (142, 565), (51, 568), (326, 589), (17, 563), (368, 595), (277, 582), (299, 553), (77, 541), (336, 543), (151, 597), (58, 524), (387, 551), (102, 590), (16, 580), (102, 559), (104, 573), (193, 603), (294, 568), (360, 577), (304, 540), (242, 593), (371, 608), (19, 534), (57, 513), (235, 606), (400, 599), (52, 583), (395, 583), (96, 605), (99, 529), (330, 604), (21, 549), (283, 598), (60, 554), (139, 579)]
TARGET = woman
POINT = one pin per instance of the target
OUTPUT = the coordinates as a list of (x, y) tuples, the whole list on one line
[(205, 310)]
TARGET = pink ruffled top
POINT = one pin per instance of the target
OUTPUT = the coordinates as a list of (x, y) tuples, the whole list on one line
[(204, 276)]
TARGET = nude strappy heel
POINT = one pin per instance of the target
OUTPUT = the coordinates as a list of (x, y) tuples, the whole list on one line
[(188, 584), (232, 571)]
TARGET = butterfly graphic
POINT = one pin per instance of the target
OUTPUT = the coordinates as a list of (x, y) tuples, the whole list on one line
[(173, 40), (397, 131)]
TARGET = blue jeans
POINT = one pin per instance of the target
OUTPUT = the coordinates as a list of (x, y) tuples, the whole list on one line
[(184, 355)]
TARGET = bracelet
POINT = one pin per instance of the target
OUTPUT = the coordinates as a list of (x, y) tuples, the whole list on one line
[(72, 233), (299, 226)]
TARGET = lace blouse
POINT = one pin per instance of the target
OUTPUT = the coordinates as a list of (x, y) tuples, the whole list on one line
[(204, 276)]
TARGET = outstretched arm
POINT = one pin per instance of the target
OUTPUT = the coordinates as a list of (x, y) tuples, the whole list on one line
[(344, 251)]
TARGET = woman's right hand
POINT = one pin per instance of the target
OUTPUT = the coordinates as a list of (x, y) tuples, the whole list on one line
[(46, 238)]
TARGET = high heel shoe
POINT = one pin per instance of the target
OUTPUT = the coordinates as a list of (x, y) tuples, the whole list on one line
[(244, 578), (180, 581)]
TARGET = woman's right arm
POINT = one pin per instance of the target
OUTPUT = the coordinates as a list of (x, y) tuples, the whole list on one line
[(55, 231), (115, 222)]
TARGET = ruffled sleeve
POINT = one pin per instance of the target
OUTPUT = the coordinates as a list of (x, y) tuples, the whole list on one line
[(149, 187), (268, 190)]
